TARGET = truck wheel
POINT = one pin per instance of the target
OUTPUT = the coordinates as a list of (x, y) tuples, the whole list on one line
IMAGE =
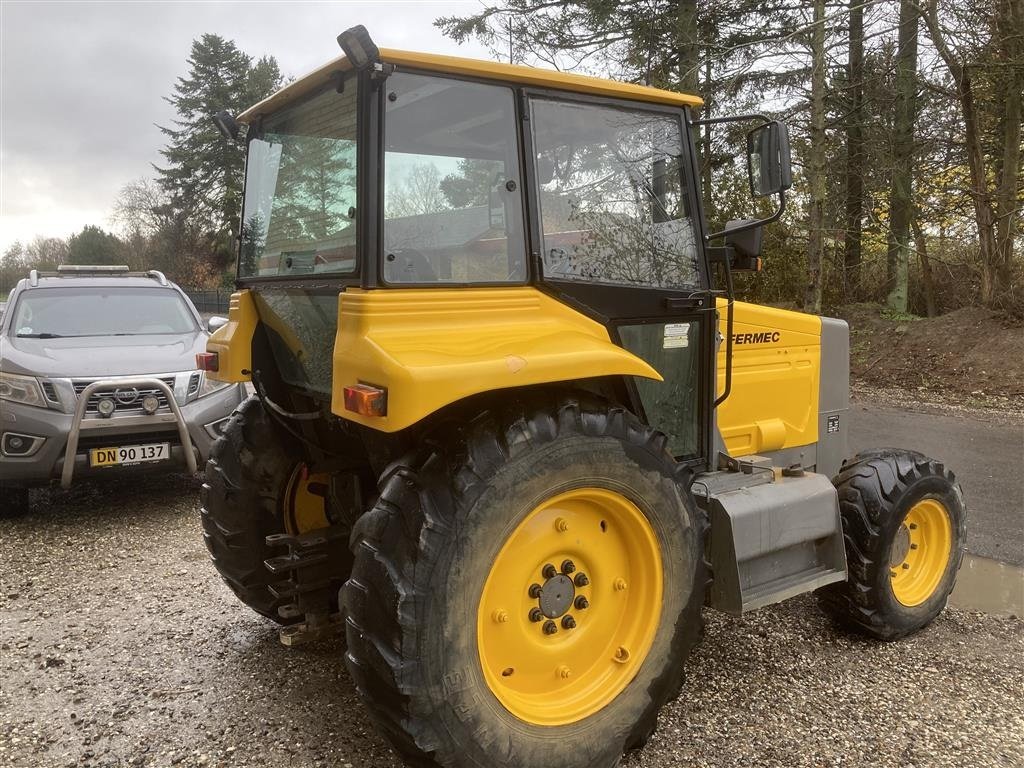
[(13, 501), (905, 525), (256, 487), (526, 589)]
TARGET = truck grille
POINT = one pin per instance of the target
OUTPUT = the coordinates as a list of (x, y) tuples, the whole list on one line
[(127, 400)]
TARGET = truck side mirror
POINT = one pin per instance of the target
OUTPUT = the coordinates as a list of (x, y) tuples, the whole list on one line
[(215, 323), (768, 159)]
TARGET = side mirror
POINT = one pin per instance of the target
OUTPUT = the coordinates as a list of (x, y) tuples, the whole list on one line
[(215, 323), (744, 235), (768, 159)]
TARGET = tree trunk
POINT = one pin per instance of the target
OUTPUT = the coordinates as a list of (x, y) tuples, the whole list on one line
[(854, 153), (984, 215), (816, 165), (687, 49), (1011, 22), (706, 146), (901, 192), (921, 242)]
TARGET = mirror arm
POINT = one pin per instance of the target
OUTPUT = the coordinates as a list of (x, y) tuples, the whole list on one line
[(765, 120), (734, 119)]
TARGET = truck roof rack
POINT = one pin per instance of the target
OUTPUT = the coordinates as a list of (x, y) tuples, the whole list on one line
[(76, 270), (99, 268)]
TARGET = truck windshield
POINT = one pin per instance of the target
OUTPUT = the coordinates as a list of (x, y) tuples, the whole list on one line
[(50, 313), (300, 190)]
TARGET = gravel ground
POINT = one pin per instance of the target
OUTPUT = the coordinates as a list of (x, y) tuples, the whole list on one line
[(120, 647)]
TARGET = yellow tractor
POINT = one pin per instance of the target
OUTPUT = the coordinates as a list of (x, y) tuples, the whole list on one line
[(510, 428)]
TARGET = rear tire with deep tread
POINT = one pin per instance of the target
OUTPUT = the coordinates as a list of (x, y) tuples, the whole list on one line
[(424, 550), (876, 490), (248, 469)]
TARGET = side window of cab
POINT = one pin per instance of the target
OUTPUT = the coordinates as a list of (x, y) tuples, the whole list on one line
[(453, 211)]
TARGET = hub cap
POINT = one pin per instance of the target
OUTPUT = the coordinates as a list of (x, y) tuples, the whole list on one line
[(571, 606), (920, 552)]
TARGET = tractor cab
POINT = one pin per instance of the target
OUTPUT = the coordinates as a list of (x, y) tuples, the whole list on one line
[(429, 174)]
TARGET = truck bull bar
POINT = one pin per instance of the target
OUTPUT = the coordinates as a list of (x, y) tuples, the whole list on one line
[(83, 401)]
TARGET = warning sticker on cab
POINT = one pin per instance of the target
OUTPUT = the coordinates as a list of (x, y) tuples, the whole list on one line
[(677, 335)]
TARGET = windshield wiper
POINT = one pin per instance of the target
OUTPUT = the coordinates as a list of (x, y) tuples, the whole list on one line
[(40, 335)]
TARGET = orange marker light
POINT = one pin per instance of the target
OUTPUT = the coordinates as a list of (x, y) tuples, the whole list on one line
[(366, 400), (207, 361)]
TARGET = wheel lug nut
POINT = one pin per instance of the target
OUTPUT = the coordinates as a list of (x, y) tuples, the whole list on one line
[(581, 580), (913, 546), (906, 566), (912, 526), (568, 622), (550, 628), (500, 616), (561, 525), (568, 567), (535, 590), (536, 615), (564, 672), (620, 585), (548, 571), (582, 603)]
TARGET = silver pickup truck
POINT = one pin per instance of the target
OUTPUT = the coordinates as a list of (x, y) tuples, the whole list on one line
[(98, 374)]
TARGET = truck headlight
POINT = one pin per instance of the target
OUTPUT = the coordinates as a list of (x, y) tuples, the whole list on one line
[(21, 389), (209, 386)]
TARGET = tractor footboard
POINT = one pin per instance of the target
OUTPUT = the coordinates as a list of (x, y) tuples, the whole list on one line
[(771, 539)]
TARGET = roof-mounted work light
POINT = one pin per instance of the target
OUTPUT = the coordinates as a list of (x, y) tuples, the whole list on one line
[(226, 124), (359, 49)]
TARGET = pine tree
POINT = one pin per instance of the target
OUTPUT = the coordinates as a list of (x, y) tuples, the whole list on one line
[(203, 171), (94, 246)]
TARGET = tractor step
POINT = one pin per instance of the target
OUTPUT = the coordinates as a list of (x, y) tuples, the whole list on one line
[(775, 534), (313, 566)]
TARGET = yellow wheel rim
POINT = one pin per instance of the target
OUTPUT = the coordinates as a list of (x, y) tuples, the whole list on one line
[(920, 552), (304, 504), (571, 606)]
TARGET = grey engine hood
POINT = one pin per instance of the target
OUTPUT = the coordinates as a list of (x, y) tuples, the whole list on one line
[(97, 356)]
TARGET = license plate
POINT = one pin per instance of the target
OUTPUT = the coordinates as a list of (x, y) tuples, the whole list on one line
[(130, 454)]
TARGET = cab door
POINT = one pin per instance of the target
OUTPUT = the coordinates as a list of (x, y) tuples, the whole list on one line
[(616, 234)]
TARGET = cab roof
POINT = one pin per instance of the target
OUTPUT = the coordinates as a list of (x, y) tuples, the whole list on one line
[(490, 70)]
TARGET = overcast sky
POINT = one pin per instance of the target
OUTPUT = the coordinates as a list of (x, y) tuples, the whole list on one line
[(82, 86)]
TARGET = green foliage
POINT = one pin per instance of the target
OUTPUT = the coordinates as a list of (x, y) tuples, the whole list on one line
[(94, 246), (743, 56), (898, 316), (203, 171)]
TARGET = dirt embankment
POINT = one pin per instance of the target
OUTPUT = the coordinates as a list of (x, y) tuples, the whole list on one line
[(971, 355)]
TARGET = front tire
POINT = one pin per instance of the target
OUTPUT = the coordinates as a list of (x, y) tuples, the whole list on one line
[(467, 572), (904, 524)]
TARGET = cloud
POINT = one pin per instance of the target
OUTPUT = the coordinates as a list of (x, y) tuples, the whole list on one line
[(82, 87)]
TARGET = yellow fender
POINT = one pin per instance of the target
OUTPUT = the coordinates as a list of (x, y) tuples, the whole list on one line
[(233, 342), (432, 347)]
